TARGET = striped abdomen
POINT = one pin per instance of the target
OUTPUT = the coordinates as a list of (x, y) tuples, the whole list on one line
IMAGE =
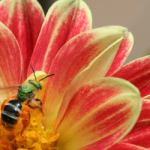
[(11, 113)]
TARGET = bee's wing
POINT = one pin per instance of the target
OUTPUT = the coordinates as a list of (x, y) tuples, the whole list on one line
[(10, 87), (6, 92)]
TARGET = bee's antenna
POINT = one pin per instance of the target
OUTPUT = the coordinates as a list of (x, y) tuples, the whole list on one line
[(33, 72), (46, 77)]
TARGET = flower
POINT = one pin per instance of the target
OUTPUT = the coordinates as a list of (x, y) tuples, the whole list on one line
[(83, 107)]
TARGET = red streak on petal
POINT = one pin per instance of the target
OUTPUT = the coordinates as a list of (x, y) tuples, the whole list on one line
[(52, 42), (133, 69), (104, 142), (101, 124), (139, 135), (125, 146), (25, 21), (71, 60), (145, 113), (36, 18), (138, 73), (58, 41), (94, 99), (81, 23), (55, 39), (143, 84), (120, 56), (10, 57), (4, 16), (43, 42)]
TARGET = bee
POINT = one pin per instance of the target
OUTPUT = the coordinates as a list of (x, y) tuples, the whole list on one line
[(18, 106)]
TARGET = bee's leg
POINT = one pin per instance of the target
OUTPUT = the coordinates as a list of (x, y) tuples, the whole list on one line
[(25, 115), (38, 100), (36, 107)]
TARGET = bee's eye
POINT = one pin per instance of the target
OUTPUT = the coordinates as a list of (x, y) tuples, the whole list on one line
[(40, 87)]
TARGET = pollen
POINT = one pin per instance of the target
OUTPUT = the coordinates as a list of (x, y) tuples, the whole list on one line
[(34, 137)]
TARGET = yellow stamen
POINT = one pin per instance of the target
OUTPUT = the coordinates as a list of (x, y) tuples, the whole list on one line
[(33, 138)]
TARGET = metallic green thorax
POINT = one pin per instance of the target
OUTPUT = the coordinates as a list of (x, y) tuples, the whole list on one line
[(28, 91)]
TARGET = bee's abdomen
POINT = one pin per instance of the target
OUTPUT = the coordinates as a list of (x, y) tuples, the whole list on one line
[(11, 113)]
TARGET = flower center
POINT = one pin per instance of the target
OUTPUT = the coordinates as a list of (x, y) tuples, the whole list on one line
[(33, 138)]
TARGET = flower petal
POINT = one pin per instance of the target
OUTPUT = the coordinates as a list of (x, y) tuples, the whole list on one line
[(75, 56), (126, 146), (100, 114), (144, 115), (10, 62), (65, 19), (139, 135), (123, 51), (96, 69), (24, 18), (138, 73)]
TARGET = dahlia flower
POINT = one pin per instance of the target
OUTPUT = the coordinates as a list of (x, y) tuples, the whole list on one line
[(85, 106)]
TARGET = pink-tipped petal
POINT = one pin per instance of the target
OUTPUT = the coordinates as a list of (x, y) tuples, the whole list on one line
[(10, 62), (24, 18), (138, 73), (101, 113), (126, 146), (73, 57), (65, 19), (96, 69), (139, 135), (145, 112), (123, 51)]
